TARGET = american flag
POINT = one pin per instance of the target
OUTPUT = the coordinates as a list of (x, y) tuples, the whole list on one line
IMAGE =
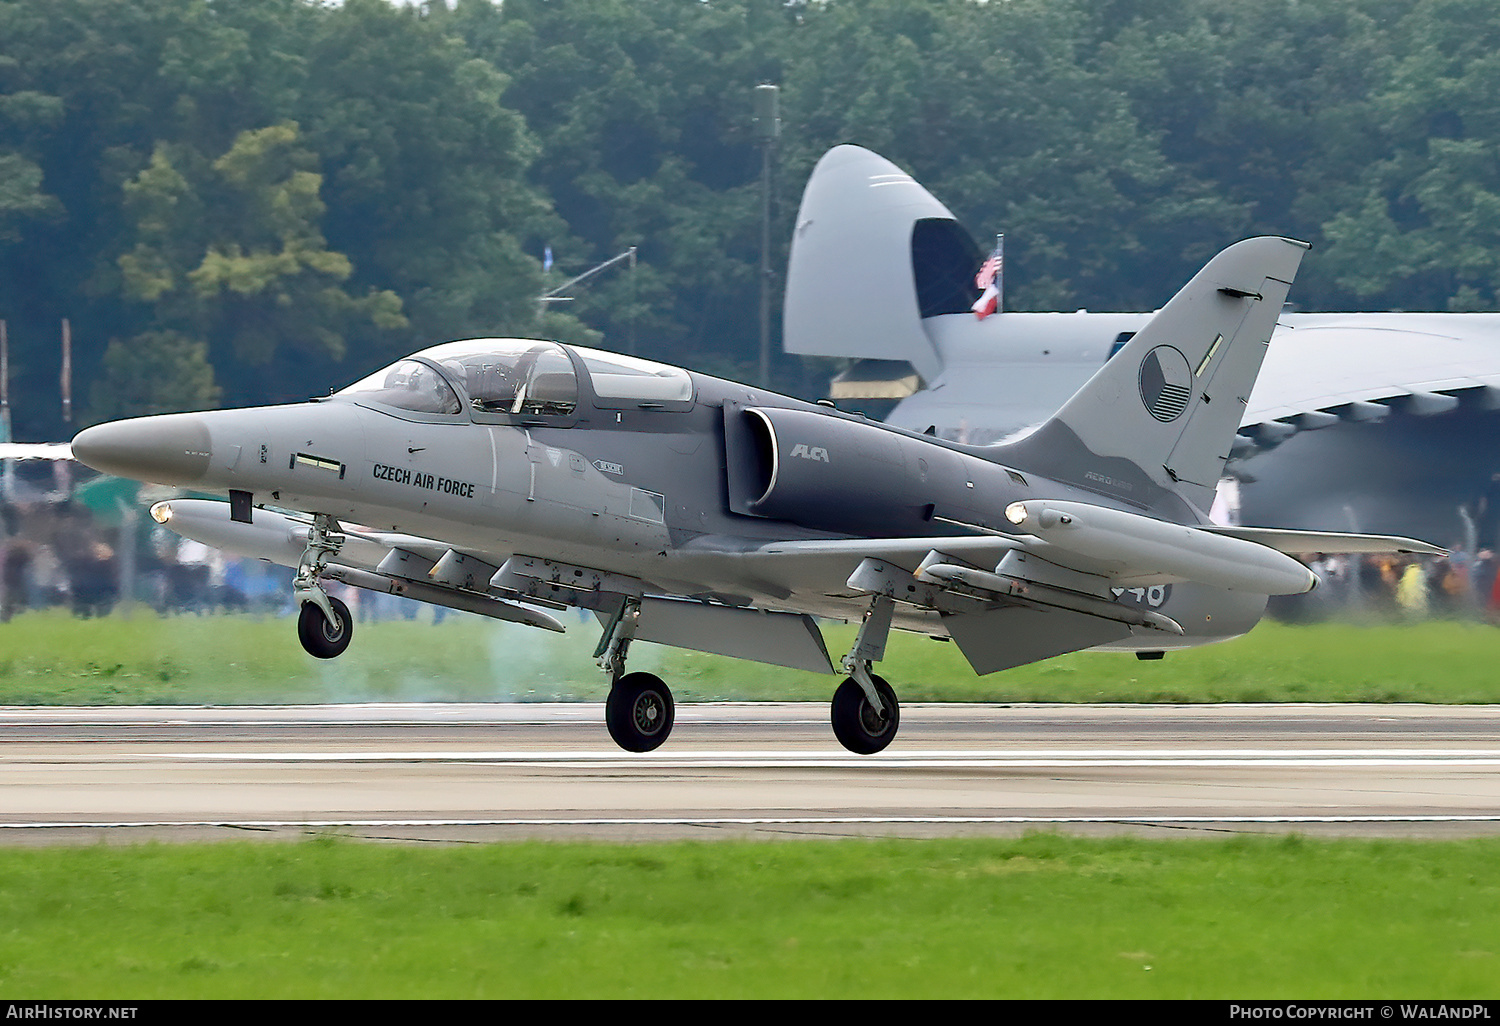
[(989, 270), (988, 280)]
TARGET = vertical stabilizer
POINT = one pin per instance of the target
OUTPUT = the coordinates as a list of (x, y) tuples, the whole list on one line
[(1160, 416)]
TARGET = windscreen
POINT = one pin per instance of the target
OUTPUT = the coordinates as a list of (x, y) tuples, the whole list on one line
[(523, 377), (406, 385)]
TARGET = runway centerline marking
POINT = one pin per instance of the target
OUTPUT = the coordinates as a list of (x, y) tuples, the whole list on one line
[(1041, 759), (1129, 820)]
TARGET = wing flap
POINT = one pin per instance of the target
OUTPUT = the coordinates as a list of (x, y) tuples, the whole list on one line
[(781, 639), (1001, 638)]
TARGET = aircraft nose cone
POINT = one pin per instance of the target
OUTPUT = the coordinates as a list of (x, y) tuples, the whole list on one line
[(172, 449)]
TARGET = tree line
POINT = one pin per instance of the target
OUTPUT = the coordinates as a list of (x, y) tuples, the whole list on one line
[(244, 201)]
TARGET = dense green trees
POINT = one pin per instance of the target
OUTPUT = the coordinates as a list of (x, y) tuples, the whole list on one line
[(250, 200), (260, 197)]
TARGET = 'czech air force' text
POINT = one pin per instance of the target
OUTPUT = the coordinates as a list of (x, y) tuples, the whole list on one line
[(407, 476)]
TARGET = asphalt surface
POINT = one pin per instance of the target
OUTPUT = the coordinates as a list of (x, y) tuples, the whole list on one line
[(468, 773)]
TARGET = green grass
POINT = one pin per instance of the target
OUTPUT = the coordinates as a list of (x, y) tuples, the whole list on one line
[(52, 658), (1037, 917)]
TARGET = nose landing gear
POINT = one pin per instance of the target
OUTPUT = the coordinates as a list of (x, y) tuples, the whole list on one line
[(324, 625)]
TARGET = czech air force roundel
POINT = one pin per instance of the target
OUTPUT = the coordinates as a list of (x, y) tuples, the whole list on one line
[(1166, 383)]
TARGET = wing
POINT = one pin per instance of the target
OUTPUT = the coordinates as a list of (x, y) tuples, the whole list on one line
[(1059, 546), (1053, 587), (400, 564)]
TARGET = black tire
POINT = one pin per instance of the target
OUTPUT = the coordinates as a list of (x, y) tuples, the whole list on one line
[(639, 712), (318, 636), (856, 724)]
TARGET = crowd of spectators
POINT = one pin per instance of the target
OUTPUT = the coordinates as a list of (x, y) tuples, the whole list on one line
[(52, 554), (1460, 585), (57, 554)]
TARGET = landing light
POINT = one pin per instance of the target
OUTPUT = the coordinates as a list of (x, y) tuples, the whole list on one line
[(161, 512), (1016, 513)]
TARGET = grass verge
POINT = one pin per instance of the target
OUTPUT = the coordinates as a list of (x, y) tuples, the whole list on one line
[(1042, 916), (52, 658)]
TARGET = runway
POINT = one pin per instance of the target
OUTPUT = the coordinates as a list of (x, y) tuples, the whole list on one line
[(465, 773)]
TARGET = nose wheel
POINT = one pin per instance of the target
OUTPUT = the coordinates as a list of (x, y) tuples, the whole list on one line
[(321, 636), (639, 712)]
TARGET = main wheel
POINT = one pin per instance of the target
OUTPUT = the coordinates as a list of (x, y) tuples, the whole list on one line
[(639, 712), (320, 637), (858, 725)]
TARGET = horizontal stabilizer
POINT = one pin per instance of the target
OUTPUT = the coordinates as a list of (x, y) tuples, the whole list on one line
[(1326, 541)]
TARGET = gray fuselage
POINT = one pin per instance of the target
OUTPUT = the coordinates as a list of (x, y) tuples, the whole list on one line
[(674, 492)]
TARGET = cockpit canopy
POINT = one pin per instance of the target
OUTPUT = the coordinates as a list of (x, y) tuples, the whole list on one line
[(518, 377), (406, 385)]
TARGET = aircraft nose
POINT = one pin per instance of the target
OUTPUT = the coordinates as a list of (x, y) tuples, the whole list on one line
[(171, 449)]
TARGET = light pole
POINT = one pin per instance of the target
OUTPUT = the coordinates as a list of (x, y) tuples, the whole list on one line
[(767, 130)]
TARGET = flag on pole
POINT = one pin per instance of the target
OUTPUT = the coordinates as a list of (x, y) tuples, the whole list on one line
[(988, 280)]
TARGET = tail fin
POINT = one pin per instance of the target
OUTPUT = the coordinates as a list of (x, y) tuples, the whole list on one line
[(1158, 419), (873, 254)]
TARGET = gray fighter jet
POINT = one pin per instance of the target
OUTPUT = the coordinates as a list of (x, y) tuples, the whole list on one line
[(509, 477)]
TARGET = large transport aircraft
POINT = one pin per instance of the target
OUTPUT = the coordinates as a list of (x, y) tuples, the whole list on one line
[(1366, 421), (512, 477)]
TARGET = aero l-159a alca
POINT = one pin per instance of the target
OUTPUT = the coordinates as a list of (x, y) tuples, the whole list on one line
[(510, 477)]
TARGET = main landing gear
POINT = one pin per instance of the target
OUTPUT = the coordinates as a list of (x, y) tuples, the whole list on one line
[(639, 711), (865, 712), (324, 625)]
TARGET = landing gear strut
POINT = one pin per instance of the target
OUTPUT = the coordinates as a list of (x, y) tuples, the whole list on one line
[(324, 625), (639, 711), (865, 712)]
